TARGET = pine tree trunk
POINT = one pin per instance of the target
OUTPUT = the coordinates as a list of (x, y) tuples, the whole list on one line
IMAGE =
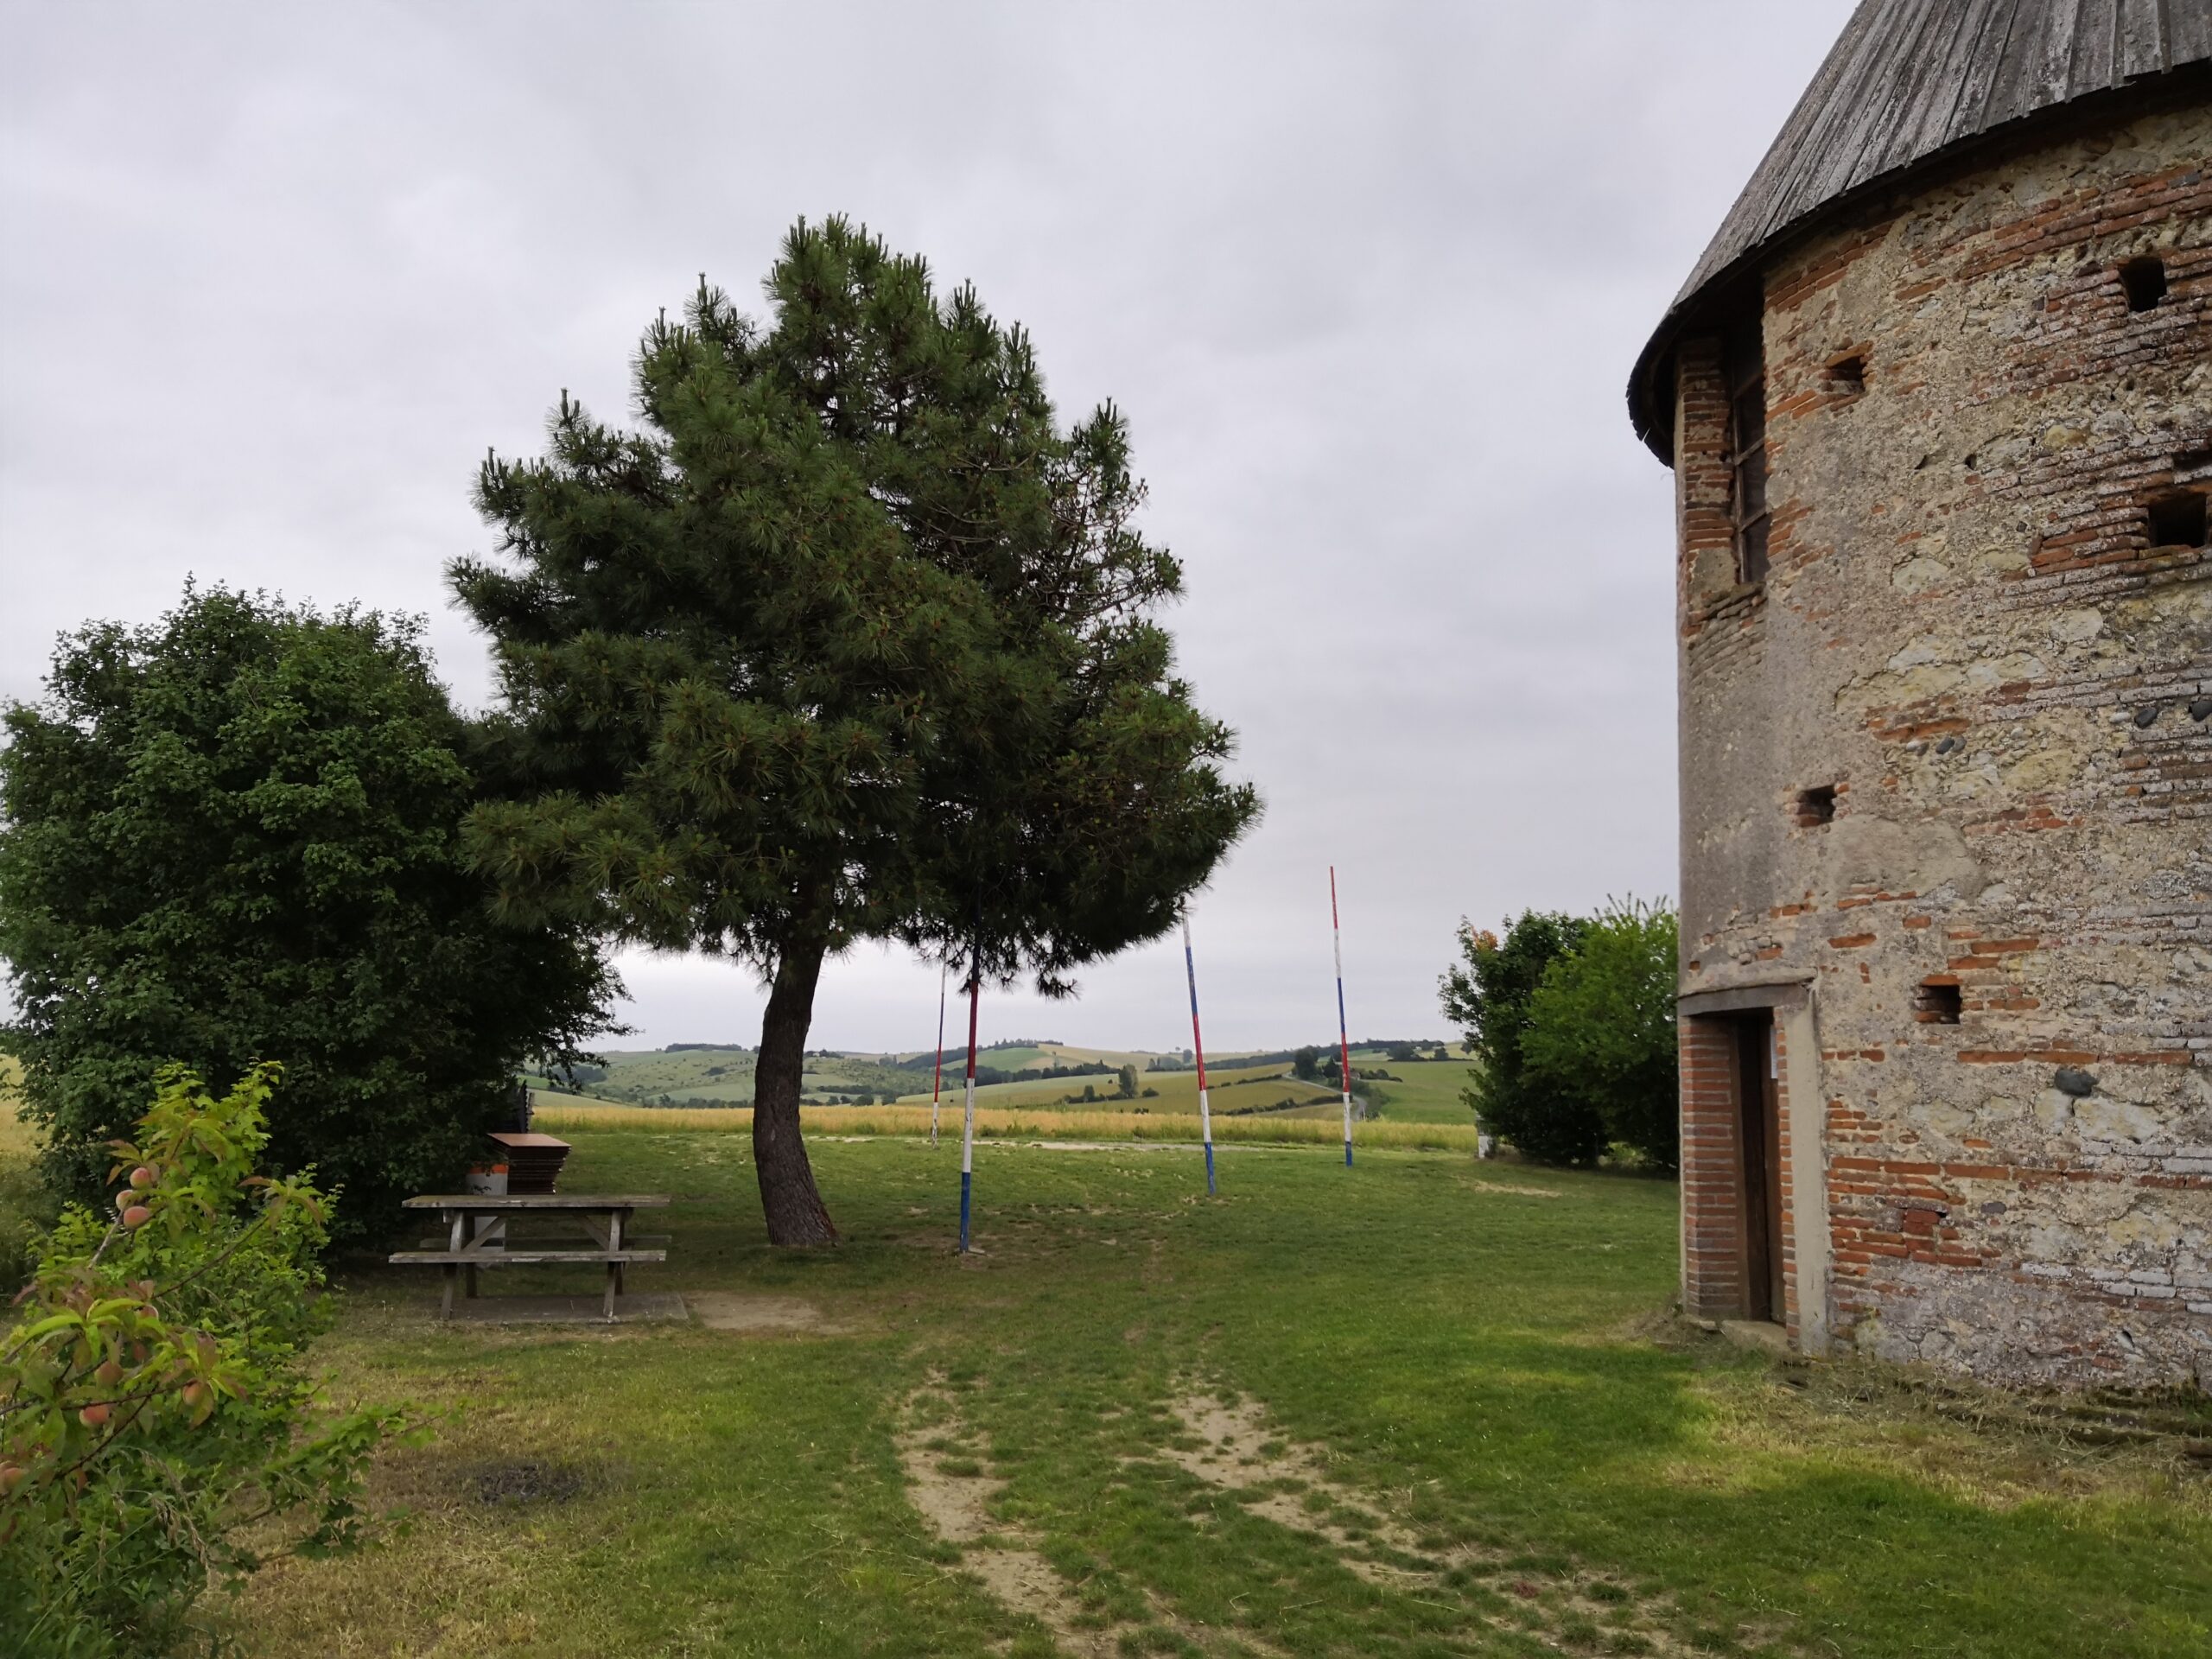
[(788, 1198)]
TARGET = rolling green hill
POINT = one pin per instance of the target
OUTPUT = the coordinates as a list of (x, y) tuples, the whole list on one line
[(693, 1075)]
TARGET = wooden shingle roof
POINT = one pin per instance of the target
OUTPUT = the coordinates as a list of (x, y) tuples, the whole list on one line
[(1911, 81)]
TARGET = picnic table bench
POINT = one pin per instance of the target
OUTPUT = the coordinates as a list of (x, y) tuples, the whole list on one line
[(475, 1235)]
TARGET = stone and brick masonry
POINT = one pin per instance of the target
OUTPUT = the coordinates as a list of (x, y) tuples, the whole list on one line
[(1998, 947)]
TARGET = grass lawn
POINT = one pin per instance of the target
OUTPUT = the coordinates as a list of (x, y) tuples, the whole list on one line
[(1423, 1407)]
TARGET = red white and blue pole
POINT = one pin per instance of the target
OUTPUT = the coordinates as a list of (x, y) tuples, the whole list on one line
[(1198, 1048), (936, 1074), (1343, 1038), (967, 1126)]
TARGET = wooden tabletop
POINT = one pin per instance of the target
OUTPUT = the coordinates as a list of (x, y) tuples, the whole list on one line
[(539, 1201)]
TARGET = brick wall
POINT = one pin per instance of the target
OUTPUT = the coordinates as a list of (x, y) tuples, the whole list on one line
[(1712, 1189)]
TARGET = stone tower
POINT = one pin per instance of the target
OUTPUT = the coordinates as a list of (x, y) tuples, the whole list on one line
[(1938, 400)]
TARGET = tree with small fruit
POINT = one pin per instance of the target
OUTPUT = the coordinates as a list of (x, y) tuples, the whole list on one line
[(155, 1414)]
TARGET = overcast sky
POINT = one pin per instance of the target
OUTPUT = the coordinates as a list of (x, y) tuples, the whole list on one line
[(1366, 279)]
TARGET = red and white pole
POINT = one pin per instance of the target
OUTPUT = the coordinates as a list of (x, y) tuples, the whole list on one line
[(1198, 1049), (1343, 1037)]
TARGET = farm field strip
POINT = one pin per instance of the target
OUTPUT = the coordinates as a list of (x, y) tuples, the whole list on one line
[(560, 1113)]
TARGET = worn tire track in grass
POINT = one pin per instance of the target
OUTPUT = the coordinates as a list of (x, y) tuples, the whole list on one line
[(948, 1482), (1225, 1442), (1228, 1444)]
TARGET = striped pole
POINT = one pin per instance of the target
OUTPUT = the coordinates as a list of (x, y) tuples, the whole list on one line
[(937, 1075), (1344, 1038), (968, 1128), (1198, 1048)]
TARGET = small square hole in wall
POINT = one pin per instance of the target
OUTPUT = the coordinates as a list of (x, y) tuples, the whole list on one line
[(2143, 281), (1848, 374), (1816, 806), (1936, 1004), (2177, 520)]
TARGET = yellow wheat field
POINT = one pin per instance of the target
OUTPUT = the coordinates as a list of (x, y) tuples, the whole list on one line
[(1010, 1122)]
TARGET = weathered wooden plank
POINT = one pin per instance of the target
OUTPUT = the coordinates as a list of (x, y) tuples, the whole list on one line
[(1916, 85), (2142, 44), (2095, 46), (515, 1258), (487, 1202), (1956, 73), (2189, 37), (562, 1242)]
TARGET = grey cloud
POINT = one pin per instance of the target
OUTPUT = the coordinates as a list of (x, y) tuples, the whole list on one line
[(1367, 280)]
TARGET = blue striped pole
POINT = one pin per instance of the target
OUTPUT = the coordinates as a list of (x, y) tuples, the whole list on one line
[(967, 1126), (1344, 1038), (1198, 1049)]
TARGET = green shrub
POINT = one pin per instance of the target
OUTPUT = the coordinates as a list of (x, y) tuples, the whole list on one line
[(154, 1411), (1490, 993), (1601, 1027), (232, 836)]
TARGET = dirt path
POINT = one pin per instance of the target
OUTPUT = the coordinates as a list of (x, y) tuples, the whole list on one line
[(1226, 1442), (1230, 1445), (946, 1483)]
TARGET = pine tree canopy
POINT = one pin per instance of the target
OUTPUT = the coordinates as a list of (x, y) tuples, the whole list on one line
[(849, 639)]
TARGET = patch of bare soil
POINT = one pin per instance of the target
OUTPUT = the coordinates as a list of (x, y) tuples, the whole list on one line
[(1478, 1185), (725, 1310), (1228, 1444), (527, 1483), (954, 1495)]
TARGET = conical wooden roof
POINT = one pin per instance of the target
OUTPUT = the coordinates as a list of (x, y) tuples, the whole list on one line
[(1913, 81)]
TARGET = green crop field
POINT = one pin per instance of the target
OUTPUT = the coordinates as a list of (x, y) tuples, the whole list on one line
[(1228, 1090), (1425, 1091), (1422, 1407)]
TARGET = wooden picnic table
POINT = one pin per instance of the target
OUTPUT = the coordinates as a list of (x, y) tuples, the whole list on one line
[(475, 1226)]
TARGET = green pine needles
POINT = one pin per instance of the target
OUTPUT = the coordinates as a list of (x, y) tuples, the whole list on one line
[(851, 639)]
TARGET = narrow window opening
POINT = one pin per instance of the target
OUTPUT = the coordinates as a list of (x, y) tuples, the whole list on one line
[(2144, 282), (1848, 374), (2177, 520), (1936, 1002), (1745, 366), (1816, 806)]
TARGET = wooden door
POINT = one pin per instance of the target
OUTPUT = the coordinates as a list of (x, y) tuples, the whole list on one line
[(1758, 1096)]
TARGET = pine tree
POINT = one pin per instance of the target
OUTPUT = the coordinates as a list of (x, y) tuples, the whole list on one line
[(851, 641)]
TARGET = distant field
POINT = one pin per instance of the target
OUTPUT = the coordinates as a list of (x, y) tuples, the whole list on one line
[(1428, 1091), (23, 1201), (723, 1077), (1227, 1089), (1010, 1123)]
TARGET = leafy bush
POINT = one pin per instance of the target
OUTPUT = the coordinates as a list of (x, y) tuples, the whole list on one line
[(1490, 994), (153, 1414), (1574, 1017), (232, 836), (1601, 1027)]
